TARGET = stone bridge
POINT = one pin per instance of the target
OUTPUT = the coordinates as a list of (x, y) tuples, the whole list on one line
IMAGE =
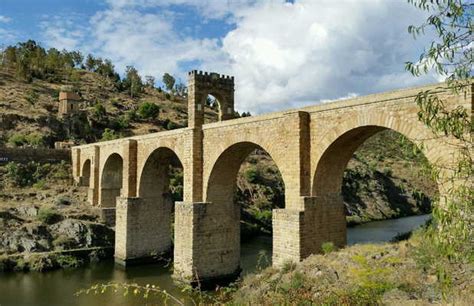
[(128, 178)]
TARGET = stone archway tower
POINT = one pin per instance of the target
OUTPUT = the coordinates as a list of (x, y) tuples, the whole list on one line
[(201, 84)]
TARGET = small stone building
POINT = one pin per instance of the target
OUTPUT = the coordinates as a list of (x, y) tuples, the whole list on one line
[(69, 101)]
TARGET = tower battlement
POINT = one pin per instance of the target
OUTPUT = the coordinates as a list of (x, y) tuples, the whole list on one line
[(210, 77), (201, 84)]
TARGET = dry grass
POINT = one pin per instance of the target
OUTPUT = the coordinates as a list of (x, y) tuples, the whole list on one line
[(371, 274)]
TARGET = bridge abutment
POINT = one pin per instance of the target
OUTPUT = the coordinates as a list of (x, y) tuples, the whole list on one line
[(142, 230), (299, 232), (207, 245)]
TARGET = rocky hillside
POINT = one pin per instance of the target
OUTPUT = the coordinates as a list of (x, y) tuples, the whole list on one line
[(40, 211)]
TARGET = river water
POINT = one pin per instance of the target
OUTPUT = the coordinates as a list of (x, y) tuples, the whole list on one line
[(58, 287)]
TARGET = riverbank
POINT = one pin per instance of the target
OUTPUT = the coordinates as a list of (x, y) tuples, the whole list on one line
[(404, 273)]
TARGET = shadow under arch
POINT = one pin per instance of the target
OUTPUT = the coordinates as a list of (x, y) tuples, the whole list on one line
[(329, 174), (111, 181), (110, 187), (224, 211), (156, 202), (86, 173)]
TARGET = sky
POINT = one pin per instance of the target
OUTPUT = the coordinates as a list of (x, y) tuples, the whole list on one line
[(283, 54)]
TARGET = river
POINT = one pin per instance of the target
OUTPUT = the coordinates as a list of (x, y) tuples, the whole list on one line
[(58, 287)]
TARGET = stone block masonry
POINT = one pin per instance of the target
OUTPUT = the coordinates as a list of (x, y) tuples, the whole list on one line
[(310, 146)]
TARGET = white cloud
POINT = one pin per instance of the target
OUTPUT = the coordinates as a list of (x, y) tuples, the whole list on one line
[(63, 32), (281, 54), (148, 41), (5, 19), (289, 55)]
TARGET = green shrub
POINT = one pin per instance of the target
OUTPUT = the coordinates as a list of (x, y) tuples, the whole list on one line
[(32, 96), (21, 265), (64, 242), (167, 96), (6, 264), (109, 134), (61, 171), (264, 216), (388, 172), (148, 110), (22, 175), (99, 112), (17, 140), (297, 281), (115, 103), (48, 215), (41, 263), (252, 175), (41, 184), (131, 115), (69, 262), (33, 139), (328, 247), (120, 123), (288, 266)]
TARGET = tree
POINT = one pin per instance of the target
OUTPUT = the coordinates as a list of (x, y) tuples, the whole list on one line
[(181, 89), (77, 58), (91, 62), (132, 81), (169, 81), (451, 56), (150, 81)]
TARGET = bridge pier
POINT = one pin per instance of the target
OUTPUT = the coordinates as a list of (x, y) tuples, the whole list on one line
[(207, 243), (142, 230), (301, 230)]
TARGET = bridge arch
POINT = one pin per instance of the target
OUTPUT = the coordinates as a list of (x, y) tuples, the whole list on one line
[(153, 176), (156, 201), (338, 148), (224, 212), (220, 185), (111, 181), (86, 172)]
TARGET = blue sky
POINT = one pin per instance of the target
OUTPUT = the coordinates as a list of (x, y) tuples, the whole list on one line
[(283, 54)]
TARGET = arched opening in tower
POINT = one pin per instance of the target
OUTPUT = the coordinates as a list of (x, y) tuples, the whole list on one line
[(212, 109)]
